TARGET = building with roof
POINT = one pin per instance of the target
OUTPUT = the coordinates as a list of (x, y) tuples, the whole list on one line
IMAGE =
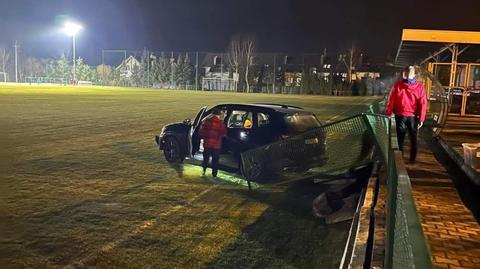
[(453, 57), (127, 66)]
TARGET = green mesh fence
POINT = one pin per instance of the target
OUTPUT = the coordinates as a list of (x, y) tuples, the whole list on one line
[(330, 149), (379, 126), (335, 149), (405, 246)]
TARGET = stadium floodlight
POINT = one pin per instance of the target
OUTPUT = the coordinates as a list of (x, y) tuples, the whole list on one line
[(72, 29)]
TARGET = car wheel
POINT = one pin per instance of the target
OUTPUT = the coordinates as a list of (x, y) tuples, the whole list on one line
[(172, 150)]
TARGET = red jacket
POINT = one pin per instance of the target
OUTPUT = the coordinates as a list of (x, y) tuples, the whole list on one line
[(407, 99), (211, 131)]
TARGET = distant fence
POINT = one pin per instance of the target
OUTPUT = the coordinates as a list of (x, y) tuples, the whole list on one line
[(218, 84), (3, 77), (45, 80), (297, 73)]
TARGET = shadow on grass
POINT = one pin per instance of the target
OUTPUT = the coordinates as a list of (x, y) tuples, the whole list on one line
[(133, 151), (286, 235)]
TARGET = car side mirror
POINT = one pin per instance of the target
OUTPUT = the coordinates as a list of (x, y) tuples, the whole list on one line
[(187, 121)]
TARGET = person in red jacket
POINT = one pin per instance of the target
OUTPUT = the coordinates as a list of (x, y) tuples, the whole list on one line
[(212, 130), (408, 102)]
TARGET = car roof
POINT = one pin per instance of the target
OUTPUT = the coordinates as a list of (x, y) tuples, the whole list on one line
[(282, 108)]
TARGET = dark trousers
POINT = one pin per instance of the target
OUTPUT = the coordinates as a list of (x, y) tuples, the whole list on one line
[(410, 125), (215, 154)]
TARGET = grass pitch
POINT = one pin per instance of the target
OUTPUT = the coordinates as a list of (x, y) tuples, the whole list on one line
[(83, 185)]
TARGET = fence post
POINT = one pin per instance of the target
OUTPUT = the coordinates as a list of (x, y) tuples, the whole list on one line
[(274, 72), (196, 71)]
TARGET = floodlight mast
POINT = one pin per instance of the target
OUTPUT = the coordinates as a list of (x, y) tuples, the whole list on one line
[(72, 29)]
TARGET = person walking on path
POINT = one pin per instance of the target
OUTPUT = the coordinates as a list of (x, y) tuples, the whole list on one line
[(408, 102), (212, 130)]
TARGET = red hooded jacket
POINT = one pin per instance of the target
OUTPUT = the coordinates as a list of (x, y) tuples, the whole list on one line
[(211, 131), (407, 99)]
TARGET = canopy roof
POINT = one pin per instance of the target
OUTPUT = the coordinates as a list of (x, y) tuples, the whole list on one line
[(418, 45)]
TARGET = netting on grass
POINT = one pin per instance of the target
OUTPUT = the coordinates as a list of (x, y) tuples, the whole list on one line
[(328, 150)]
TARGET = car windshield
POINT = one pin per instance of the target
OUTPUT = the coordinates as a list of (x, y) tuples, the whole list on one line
[(299, 123)]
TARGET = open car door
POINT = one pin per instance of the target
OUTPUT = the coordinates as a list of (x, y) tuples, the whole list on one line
[(193, 138)]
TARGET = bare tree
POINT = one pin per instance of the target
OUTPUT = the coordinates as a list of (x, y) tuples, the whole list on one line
[(4, 57), (350, 60), (249, 48), (235, 54), (104, 73), (35, 67), (240, 55)]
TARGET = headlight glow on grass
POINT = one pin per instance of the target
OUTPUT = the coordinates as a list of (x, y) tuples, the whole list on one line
[(191, 170)]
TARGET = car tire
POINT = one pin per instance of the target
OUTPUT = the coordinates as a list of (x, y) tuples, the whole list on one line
[(172, 150)]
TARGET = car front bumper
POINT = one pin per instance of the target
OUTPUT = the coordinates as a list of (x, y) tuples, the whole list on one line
[(159, 141)]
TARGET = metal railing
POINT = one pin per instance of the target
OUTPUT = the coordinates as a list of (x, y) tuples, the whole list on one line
[(405, 244)]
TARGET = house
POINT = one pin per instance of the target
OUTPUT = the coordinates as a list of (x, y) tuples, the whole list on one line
[(217, 73), (325, 70), (366, 70), (215, 67), (293, 70), (127, 66), (286, 68), (365, 74)]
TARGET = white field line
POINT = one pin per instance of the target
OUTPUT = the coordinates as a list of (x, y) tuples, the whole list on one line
[(141, 227)]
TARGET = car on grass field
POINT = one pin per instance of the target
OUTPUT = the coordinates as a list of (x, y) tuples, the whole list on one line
[(249, 126)]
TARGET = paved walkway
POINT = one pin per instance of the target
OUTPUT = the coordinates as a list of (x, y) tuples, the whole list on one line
[(452, 232)]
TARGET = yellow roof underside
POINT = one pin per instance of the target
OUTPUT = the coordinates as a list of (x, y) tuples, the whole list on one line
[(441, 36)]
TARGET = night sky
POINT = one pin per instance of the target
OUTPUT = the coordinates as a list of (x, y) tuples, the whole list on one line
[(207, 25)]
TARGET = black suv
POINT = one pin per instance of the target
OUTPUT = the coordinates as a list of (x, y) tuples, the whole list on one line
[(249, 126)]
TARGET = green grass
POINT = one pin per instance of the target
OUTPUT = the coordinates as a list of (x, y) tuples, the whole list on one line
[(82, 185)]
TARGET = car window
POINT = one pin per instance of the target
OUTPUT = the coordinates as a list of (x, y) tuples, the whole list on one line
[(299, 123), (223, 113), (263, 119), (240, 119)]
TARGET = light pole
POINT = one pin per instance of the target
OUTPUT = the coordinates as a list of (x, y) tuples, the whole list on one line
[(16, 61), (72, 29)]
